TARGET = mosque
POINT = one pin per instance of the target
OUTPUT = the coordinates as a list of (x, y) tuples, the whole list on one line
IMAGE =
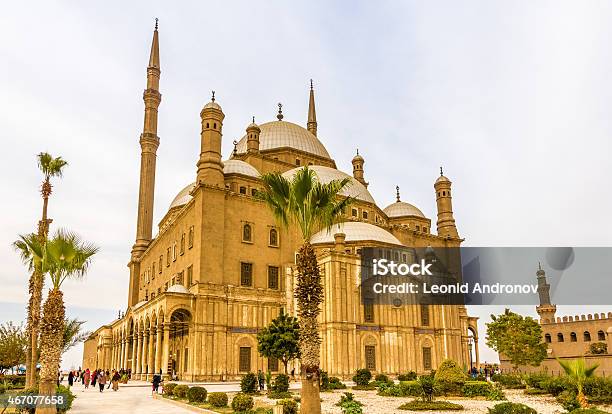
[(220, 268)]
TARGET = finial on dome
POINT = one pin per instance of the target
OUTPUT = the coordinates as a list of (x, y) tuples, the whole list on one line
[(539, 266), (253, 118), (441, 172), (357, 151), (397, 194), (235, 148), (280, 112), (156, 23), (311, 87), (213, 96)]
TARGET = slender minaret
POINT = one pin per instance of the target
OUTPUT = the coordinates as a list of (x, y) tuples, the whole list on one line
[(546, 310), (210, 167), (312, 113), (253, 132), (444, 201), (149, 142), (358, 162)]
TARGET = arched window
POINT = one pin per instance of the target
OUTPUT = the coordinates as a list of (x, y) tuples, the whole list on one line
[(601, 336), (247, 233), (587, 336), (560, 337), (273, 237), (548, 338), (573, 337), (424, 315)]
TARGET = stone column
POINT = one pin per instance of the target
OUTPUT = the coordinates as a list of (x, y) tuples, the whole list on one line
[(138, 352), (151, 351), (166, 350), (134, 347), (123, 353), (158, 348), (145, 354)]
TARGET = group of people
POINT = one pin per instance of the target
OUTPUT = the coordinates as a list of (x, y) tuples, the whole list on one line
[(487, 372), (101, 377)]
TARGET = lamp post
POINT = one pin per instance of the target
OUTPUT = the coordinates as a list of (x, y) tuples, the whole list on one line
[(470, 344)]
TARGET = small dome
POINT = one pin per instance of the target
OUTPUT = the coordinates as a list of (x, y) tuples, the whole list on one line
[(280, 134), (239, 167), (326, 174), (442, 179), (401, 209), (177, 289), (183, 196), (355, 231), (213, 105), (139, 304)]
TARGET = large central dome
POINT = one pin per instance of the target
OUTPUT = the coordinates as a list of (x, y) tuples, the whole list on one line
[(282, 134)]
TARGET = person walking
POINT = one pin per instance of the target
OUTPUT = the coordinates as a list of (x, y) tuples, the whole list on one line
[(94, 378), (157, 379), (260, 379), (115, 381), (292, 374), (70, 379), (108, 378), (102, 380), (86, 378)]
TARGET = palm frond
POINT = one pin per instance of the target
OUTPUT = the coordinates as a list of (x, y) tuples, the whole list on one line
[(73, 334), (51, 167)]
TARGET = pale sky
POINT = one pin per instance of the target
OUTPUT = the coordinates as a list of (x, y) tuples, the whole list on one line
[(512, 98)]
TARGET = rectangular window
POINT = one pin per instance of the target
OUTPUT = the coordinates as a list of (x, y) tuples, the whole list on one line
[(370, 357), (153, 271), (272, 364), (180, 279), (185, 359), (298, 162), (168, 256), (183, 244), (272, 277), (246, 274), (424, 315), (368, 310), (161, 262), (189, 276), (354, 212), (245, 359), (174, 252), (426, 358), (190, 240), (365, 215)]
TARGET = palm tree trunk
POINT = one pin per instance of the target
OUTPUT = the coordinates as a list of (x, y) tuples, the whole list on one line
[(51, 334), (309, 295)]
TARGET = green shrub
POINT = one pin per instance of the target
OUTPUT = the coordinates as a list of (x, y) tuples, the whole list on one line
[(450, 377), (289, 406), (352, 407), (428, 387), (510, 381), (598, 387), (369, 387), (180, 391), (417, 405), (403, 389), (535, 391), (242, 402), (382, 379), (197, 394), (362, 377), (278, 395), (261, 410), (169, 388), (598, 348), (347, 397), (248, 384), (281, 383), (476, 389), (336, 384), (567, 399), (556, 385), (409, 376), (536, 380), (511, 408), (323, 380), (496, 393), (2, 388), (217, 399)]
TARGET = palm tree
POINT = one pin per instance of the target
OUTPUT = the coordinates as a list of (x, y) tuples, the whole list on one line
[(578, 372), (73, 334), (62, 257), (50, 167), (312, 205)]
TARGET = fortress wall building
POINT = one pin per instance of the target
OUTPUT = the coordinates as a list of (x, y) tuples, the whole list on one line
[(220, 268)]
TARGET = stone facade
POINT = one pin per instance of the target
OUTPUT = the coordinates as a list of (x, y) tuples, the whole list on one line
[(221, 268)]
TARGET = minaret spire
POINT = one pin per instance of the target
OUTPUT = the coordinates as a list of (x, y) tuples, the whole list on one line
[(149, 142), (312, 113)]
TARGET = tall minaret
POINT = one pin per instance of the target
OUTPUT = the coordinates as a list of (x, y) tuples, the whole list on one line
[(149, 142), (312, 113), (546, 310), (444, 201), (210, 167), (358, 162)]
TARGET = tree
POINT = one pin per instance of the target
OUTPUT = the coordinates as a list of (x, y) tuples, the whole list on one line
[(311, 205), (577, 372), (64, 256), (13, 346), (517, 337), (73, 334), (50, 167), (280, 339)]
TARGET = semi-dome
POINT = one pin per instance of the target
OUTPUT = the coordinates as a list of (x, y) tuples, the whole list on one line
[(326, 174), (183, 196), (401, 209), (239, 167), (281, 134), (355, 231), (176, 288)]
